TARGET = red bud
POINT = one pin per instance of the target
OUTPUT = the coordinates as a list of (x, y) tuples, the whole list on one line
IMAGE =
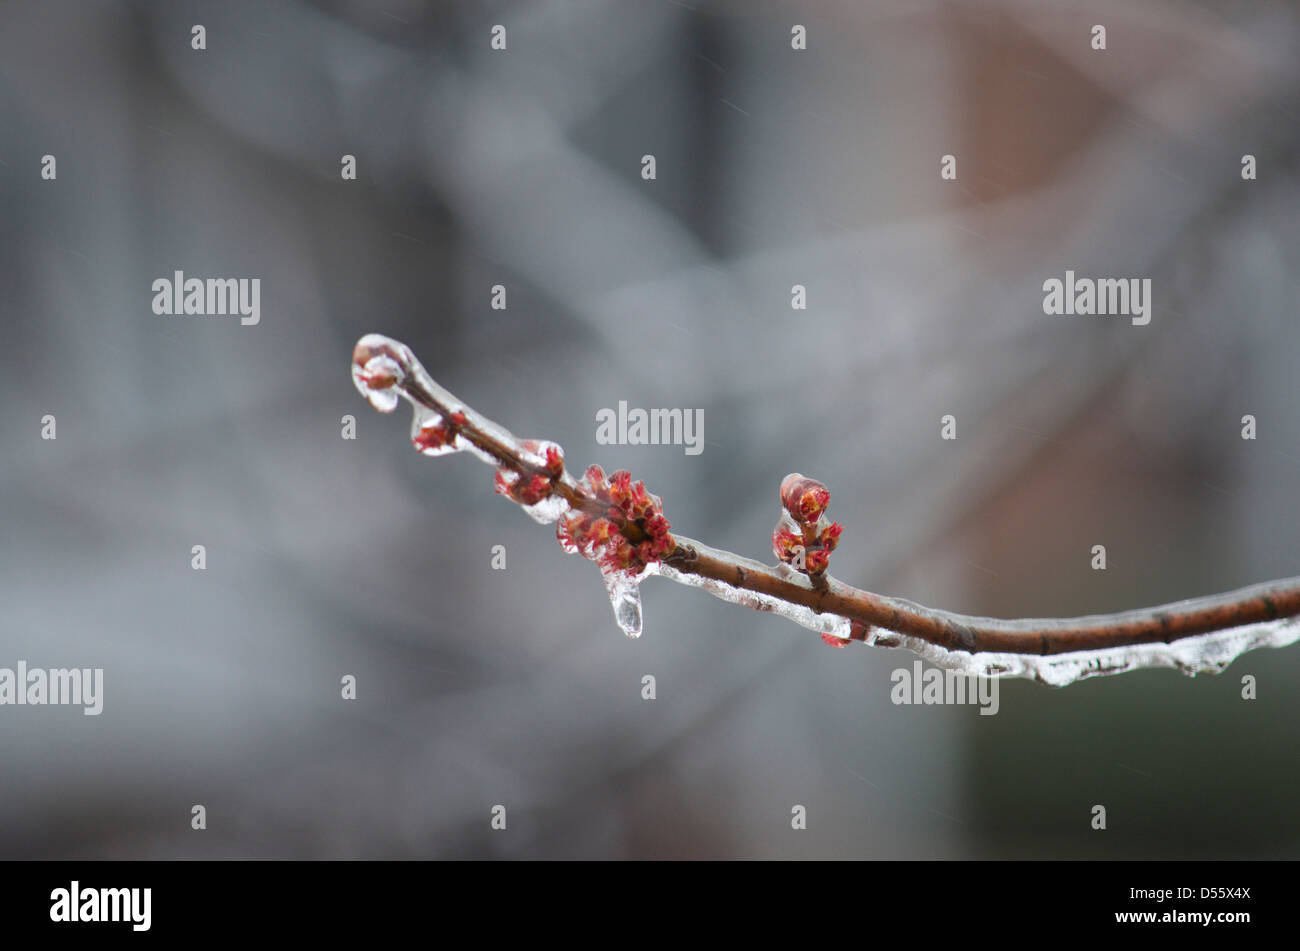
[(804, 498)]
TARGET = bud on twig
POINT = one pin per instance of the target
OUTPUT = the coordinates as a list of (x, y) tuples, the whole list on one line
[(804, 538)]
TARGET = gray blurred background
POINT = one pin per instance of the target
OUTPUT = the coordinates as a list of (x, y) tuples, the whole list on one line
[(476, 687)]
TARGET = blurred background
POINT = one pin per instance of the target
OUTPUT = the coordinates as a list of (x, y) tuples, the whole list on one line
[(775, 167)]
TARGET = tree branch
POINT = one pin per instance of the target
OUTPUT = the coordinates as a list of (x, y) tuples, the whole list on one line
[(621, 527)]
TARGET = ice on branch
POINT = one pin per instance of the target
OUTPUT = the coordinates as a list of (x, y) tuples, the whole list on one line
[(627, 539), (1202, 654), (616, 523)]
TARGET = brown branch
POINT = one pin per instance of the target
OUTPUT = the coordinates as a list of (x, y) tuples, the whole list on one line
[(384, 368), (1262, 602)]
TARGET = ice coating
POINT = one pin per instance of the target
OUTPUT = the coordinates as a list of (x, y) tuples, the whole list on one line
[(547, 510), (369, 379), (537, 452), (1202, 654), (624, 589), (384, 370), (546, 455), (832, 624), (432, 436), (787, 539), (568, 544), (631, 541), (623, 531)]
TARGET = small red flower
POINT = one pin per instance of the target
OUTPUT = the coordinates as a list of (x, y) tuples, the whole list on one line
[(535, 486), (434, 437), (601, 531), (571, 529), (816, 560), (620, 488), (554, 461), (786, 544), (531, 490), (631, 512), (503, 479)]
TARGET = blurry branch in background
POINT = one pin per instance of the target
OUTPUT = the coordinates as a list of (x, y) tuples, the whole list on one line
[(620, 526)]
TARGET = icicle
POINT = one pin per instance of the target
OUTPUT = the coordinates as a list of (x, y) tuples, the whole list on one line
[(625, 597)]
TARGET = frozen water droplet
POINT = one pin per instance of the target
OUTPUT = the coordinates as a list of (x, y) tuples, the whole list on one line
[(625, 599), (534, 451), (547, 510), (377, 382), (787, 523), (383, 400), (431, 436)]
